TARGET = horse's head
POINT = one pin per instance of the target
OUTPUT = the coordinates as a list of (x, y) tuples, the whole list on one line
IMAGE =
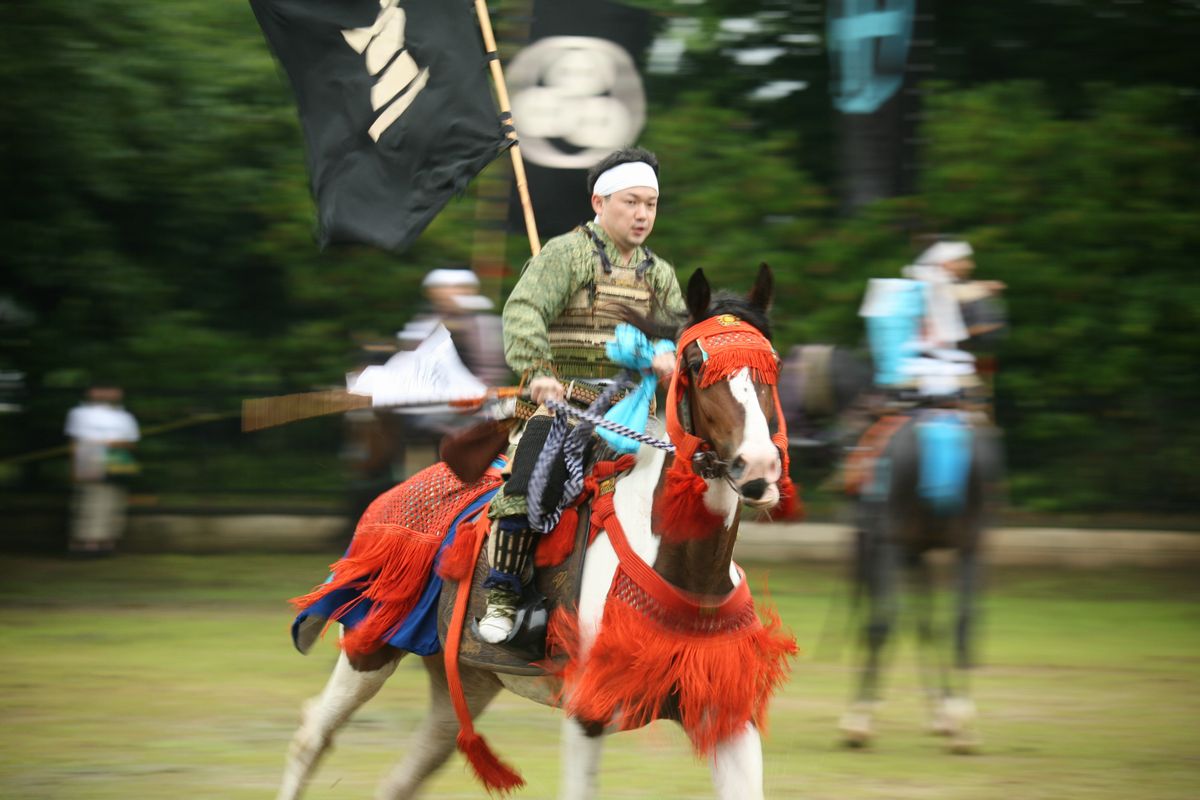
[(723, 413)]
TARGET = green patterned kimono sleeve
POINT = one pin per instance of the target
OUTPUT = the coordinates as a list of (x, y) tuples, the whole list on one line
[(666, 286), (546, 285)]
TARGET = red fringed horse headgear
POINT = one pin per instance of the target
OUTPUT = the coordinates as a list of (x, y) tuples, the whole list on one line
[(730, 345)]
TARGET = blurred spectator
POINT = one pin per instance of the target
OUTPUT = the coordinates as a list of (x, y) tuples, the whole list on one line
[(453, 300), (103, 435)]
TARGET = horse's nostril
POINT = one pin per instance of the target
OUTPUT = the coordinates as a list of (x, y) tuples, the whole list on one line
[(754, 489), (737, 468)]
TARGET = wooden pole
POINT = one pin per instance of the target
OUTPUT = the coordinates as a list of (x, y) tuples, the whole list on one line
[(489, 43)]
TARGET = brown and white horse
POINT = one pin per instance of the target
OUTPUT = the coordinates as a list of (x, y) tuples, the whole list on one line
[(678, 516)]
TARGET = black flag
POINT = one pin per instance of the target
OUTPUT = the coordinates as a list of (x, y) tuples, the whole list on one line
[(395, 106)]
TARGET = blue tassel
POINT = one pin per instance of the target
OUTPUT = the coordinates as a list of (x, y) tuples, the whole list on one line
[(633, 350)]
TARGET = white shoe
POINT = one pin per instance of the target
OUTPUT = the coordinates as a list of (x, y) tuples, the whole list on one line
[(500, 616)]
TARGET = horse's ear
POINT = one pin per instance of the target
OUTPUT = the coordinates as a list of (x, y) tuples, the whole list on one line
[(764, 288), (699, 295)]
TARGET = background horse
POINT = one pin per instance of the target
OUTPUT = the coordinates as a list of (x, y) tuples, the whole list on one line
[(923, 478), (683, 527)]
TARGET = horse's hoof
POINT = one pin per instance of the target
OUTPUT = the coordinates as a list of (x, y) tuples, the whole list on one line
[(941, 725), (952, 717), (856, 729), (964, 744)]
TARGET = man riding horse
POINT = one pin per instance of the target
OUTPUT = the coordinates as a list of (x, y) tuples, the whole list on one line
[(557, 323), (924, 473)]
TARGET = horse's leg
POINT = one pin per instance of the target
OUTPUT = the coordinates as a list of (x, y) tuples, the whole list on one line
[(580, 745), (737, 766), (957, 710), (931, 663), (350, 685), (882, 564), (434, 739)]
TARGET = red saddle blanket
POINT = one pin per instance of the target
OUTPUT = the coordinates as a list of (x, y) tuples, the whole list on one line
[(390, 559)]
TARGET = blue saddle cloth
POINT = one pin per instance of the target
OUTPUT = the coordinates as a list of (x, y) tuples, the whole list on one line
[(945, 446), (418, 633)]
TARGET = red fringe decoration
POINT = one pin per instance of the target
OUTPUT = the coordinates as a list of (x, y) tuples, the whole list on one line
[(636, 668), (554, 547), (392, 553), (390, 563), (679, 512), (723, 362), (494, 774), (458, 560)]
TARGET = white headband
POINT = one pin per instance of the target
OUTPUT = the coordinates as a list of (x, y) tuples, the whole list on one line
[(625, 176)]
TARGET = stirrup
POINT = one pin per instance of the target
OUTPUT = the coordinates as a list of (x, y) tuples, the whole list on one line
[(497, 623)]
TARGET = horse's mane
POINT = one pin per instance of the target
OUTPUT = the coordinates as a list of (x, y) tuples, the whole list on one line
[(655, 327), (670, 326)]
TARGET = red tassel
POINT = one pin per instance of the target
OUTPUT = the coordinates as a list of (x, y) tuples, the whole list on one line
[(791, 507), (494, 774), (458, 560), (679, 512), (554, 547)]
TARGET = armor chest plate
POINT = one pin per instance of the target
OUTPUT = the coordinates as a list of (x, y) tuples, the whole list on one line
[(579, 336)]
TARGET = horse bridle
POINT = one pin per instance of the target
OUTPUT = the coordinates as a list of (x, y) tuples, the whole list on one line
[(705, 461)]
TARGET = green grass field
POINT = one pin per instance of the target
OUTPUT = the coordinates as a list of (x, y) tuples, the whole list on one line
[(145, 677)]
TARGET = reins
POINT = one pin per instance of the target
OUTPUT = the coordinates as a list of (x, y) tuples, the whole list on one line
[(615, 427), (705, 463)]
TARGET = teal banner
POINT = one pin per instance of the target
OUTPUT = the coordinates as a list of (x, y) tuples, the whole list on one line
[(868, 44)]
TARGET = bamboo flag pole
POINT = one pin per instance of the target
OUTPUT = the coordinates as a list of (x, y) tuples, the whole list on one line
[(489, 43)]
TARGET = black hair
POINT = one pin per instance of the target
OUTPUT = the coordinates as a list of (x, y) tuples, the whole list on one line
[(663, 326), (669, 326), (625, 155)]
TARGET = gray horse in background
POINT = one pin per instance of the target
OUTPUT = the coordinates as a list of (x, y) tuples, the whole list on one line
[(903, 519)]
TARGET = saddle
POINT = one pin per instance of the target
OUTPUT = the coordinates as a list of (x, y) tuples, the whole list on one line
[(554, 586)]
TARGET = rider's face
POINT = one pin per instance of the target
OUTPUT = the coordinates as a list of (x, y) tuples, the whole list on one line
[(961, 269), (627, 216)]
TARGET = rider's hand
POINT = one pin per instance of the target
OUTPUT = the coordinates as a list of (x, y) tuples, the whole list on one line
[(663, 365), (546, 388)]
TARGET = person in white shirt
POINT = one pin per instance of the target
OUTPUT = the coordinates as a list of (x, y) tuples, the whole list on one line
[(102, 435)]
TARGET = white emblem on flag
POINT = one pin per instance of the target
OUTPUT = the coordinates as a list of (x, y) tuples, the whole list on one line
[(575, 99), (400, 79)]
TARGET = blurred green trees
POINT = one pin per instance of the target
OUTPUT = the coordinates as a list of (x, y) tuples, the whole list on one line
[(159, 232)]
